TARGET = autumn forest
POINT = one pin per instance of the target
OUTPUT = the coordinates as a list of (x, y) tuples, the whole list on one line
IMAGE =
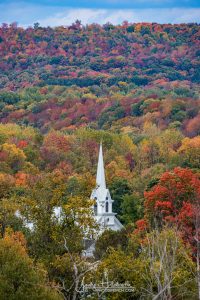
[(135, 87)]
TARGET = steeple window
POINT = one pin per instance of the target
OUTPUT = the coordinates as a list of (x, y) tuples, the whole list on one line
[(107, 207), (95, 209)]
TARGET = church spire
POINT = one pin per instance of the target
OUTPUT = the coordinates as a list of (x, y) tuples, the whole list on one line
[(100, 179)]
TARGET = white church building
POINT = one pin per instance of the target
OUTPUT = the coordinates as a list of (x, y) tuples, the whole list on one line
[(105, 217), (103, 212)]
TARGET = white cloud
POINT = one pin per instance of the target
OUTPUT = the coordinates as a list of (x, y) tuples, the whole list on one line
[(70, 15), (102, 16), (28, 14)]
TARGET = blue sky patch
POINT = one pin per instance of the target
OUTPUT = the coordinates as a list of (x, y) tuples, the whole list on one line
[(64, 12)]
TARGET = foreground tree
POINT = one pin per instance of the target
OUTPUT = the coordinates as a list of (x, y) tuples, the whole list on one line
[(175, 200), (110, 238), (157, 265), (69, 270), (7, 206), (19, 277), (169, 272), (55, 215)]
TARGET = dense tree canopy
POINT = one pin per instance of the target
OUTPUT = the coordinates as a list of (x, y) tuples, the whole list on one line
[(62, 91)]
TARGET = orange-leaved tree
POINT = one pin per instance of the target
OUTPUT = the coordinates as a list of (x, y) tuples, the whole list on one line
[(175, 200)]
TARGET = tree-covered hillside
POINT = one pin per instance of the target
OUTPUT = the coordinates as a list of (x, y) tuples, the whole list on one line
[(92, 55), (104, 77), (62, 91)]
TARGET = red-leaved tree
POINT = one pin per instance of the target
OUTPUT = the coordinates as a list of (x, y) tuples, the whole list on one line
[(175, 200)]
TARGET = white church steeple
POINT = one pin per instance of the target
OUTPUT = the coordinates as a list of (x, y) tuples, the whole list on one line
[(100, 179), (103, 201)]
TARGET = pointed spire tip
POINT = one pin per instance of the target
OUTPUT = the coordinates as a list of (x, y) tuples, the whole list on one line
[(100, 179)]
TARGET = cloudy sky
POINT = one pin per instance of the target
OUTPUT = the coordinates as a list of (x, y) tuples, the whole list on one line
[(65, 12)]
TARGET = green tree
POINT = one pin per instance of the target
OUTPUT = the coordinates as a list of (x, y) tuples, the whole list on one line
[(131, 208), (19, 277), (118, 188), (55, 215), (110, 238)]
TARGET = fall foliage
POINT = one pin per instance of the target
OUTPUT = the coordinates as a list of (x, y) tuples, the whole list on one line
[(63, 90)]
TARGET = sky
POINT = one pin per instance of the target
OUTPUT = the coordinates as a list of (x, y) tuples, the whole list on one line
[(65, 12)]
